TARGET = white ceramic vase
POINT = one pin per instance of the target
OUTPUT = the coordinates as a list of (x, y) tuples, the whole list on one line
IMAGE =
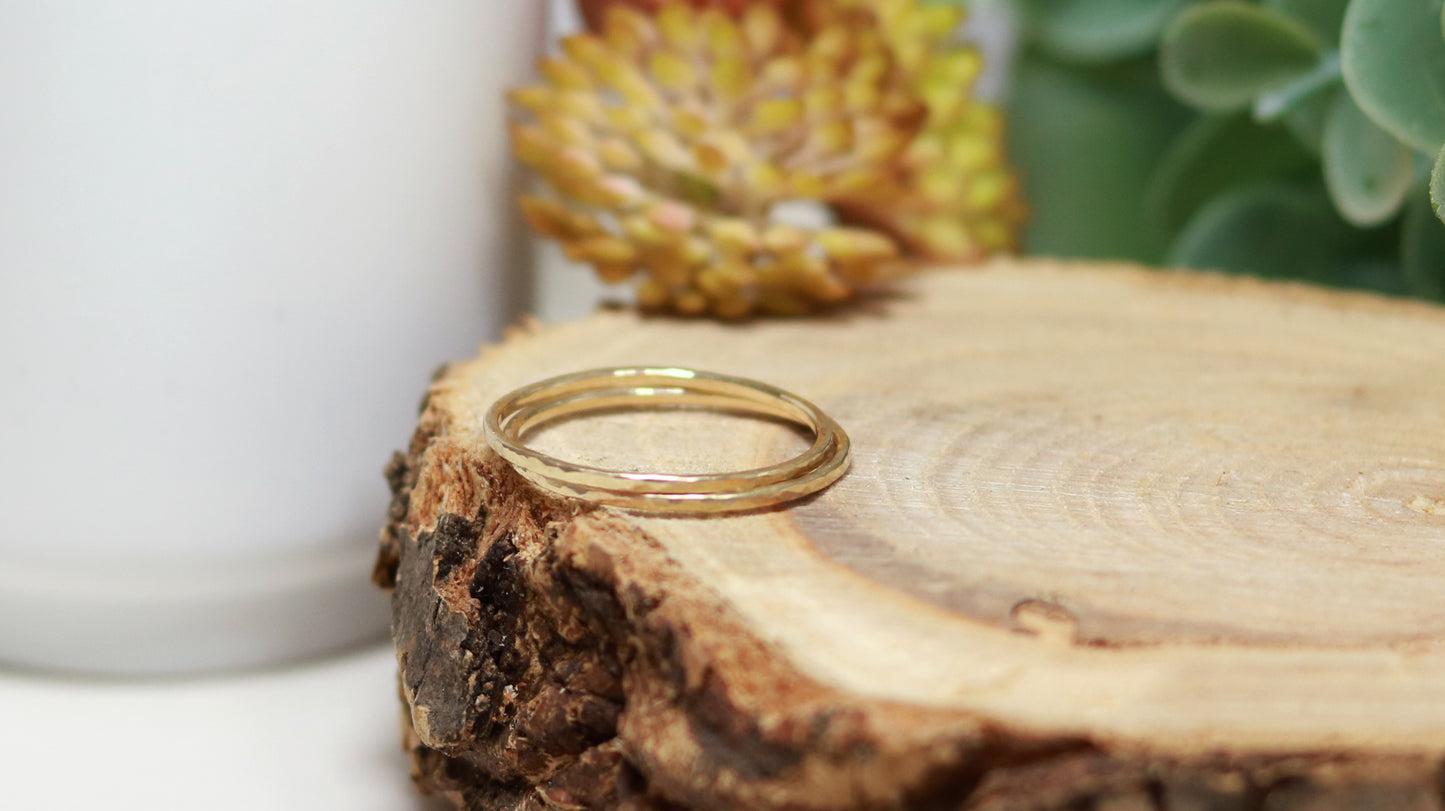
[(235, 238)]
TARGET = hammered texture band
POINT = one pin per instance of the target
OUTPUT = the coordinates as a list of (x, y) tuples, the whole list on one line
[(654, 388)]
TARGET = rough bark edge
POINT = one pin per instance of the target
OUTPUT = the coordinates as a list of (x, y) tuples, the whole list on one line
[(567, 662)]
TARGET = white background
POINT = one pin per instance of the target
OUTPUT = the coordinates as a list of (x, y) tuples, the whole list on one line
[(313, 737)]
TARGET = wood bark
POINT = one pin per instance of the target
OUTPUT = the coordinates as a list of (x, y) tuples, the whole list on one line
[(1112, 539)]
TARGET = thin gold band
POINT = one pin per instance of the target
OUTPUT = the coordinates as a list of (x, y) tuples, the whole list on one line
[(631, 388)]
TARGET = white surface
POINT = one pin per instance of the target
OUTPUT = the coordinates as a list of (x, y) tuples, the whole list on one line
[(148, 617), (236, 237), (313, 738)]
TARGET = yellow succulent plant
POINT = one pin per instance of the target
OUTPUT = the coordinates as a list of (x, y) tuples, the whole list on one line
[(666, 140), (953, 195)]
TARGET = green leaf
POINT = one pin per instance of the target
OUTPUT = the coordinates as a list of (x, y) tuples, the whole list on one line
[(1085, 141), (1267, 230), (1324, 17), (1306, 120), (1324, 76), (1214, 154), (1437, 185), (1367, 170), (1377, 273), (1223, 53), (1422, 251), (1394, 64), (1099, 30)]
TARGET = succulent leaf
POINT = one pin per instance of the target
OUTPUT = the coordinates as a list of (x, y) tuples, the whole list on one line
[(1306, 119), (1367, 170), (1312, 84), (1393, 57), (1437, 185), (1084, 180), (1422, 250), (1267, 230), (1348, 208), (1222, 54), (1324, 17), (1214, 154), (1098, 30)]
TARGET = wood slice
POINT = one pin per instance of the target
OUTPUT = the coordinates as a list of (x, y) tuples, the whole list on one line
[(1112, 538)]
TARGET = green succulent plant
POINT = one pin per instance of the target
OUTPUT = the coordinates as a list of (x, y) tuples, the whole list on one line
[(1295, 138)]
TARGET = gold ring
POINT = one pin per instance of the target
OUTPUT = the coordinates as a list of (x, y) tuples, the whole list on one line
[(602, 390)]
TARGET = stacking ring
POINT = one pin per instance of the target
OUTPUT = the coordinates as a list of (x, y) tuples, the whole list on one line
[(647, 388)]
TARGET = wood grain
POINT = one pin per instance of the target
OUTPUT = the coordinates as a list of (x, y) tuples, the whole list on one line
[(1111, 536)]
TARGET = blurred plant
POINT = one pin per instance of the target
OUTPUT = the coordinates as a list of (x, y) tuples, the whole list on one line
[(595, 11), (667, 139), (1280, 137), (952, 195)]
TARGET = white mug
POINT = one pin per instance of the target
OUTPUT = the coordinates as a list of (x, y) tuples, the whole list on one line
[(235, 239)]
